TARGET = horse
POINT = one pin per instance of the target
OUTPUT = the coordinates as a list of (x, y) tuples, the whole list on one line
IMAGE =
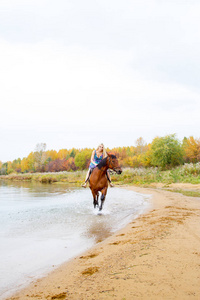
[(98, 181)]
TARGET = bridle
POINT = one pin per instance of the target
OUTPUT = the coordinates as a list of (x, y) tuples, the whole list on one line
[(113, 168)]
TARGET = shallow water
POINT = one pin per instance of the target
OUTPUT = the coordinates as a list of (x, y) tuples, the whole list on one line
[(42, 226)]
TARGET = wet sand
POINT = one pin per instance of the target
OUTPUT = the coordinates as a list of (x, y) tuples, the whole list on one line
[(156, 256)]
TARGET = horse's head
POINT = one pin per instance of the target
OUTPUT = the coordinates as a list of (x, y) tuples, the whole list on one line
[(114, 164)]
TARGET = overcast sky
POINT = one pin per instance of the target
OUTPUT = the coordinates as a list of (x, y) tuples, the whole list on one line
[(77, 73)]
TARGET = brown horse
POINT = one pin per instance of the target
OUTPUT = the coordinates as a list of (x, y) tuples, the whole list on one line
[(98, 179)]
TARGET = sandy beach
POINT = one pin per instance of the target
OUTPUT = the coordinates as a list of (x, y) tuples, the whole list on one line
[(156, 256)]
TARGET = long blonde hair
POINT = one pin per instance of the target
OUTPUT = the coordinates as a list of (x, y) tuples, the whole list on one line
[(104, 150)]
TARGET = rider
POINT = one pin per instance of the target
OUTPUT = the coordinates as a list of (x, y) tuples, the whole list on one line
[(97, 156)]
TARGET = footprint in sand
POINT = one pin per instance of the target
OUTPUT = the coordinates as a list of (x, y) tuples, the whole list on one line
[(92, 255), (90, 271)]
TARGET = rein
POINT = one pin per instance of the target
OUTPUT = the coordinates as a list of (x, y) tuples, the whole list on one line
[(105, 162), (112, 171)]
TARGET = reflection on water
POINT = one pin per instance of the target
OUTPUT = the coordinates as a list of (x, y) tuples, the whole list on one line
[(35, 188), (46, 224), (99, 231)]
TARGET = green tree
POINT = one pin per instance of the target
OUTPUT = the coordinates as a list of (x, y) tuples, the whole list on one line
[(82, 159), (4, 168), (166, 152), (72, 153), (9, 167), (16, 165)]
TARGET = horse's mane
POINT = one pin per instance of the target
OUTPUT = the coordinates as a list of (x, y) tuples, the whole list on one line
[(104, 161)]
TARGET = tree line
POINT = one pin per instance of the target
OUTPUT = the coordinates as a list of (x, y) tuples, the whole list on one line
[(163, 152)]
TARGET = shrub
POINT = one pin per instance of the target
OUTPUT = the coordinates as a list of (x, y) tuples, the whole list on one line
[(166, 152)]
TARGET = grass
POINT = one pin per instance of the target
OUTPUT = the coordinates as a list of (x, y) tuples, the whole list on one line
[(72, 178), (188, 173), (186, 192)]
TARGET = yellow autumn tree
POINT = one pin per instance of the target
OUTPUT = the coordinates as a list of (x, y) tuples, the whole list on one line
[(191, 147), (51, 155), (31, 162), (63, 153), (146, 156), (24, 165), (9, 167), (16, 165)]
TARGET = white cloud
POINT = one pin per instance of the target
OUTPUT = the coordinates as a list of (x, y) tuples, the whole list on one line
[(78, 73), (51, 81)]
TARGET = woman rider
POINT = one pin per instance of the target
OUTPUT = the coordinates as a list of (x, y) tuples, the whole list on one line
[(97, 156)]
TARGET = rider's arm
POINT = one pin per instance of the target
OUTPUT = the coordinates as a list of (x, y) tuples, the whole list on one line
[(92, 158)]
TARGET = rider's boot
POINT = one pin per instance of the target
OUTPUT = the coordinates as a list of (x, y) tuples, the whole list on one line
[(111, 184), (84, 184), (109, 180), (87, 179)]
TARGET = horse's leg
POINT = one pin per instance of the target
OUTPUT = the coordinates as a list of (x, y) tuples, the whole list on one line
[(98, 199), (95, 199), (103, 197)]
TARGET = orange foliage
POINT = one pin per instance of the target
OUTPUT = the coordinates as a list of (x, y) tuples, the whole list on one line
[(191, 149), (73, 159)]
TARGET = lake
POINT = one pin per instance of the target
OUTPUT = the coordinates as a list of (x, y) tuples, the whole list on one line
[(44, 225)]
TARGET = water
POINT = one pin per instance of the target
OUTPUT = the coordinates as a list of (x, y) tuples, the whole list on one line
[(42, 226)]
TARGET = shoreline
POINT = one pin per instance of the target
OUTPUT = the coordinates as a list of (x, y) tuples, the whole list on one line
[(156, 256)]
